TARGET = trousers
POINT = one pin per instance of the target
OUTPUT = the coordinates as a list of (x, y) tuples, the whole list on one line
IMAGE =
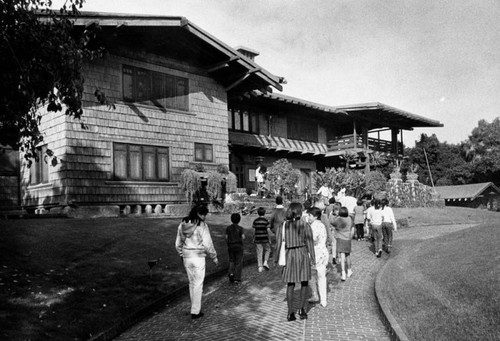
[(195, 269), (263, 253), (377, 234)]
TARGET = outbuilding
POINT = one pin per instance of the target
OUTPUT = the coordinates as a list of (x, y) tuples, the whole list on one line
[(480, 195)]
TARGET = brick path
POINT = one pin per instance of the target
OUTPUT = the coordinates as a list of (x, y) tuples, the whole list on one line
[(256, 309)]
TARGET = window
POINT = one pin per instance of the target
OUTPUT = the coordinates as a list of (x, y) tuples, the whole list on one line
[(39, 170), (243, 120), (154, 88), (140, 163), (203, 152)]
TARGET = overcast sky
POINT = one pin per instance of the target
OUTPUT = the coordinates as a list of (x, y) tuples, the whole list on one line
[(438, 59)]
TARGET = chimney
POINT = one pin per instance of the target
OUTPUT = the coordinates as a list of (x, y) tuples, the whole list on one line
[(247, 52)]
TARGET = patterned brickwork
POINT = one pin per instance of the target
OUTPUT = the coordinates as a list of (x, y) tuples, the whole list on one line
[(256, 310)]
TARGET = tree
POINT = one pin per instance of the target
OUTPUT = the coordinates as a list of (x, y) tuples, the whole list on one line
[(283, 177), (483, 149), (41, 67)]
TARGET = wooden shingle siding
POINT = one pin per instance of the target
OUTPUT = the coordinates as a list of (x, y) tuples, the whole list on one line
[(85, 175)]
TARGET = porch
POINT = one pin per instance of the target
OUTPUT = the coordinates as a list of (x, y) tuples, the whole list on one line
[(357, 143)]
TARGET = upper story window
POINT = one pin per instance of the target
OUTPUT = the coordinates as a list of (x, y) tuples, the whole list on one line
[(155, 88), (140, 163), (302, 129), (243, 120), (39, 170), (203, 152)]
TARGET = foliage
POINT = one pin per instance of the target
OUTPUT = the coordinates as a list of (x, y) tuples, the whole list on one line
[(374, 182), (338, 178), (41, 67), (283, 177), (198, 167), (231, 183), (190, 183), (223, 169), (214, 184)]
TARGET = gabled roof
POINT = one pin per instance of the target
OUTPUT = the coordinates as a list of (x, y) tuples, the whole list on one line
[(379, 115), (385, 115), (182, 40), (470, 191)]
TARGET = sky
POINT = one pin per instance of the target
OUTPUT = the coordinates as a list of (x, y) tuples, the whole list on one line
[(436, 58)]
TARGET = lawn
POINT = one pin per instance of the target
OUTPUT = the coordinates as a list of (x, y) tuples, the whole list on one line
[(448, 288), (66, 279)]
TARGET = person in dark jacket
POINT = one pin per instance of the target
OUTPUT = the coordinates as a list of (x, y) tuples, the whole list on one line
[(234, 238)]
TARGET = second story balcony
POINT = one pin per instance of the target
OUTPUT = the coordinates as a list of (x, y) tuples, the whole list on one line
[(357, 143)]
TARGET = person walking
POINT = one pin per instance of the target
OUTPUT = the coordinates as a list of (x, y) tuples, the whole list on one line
[(318, 278), (262, 239), (234, 239), (278, 216), (374, 217), (343, 227), (388, 225), (299, 255), (359, 219), (193, 243)]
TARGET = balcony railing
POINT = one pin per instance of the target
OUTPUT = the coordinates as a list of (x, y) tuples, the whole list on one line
[(348, 142)]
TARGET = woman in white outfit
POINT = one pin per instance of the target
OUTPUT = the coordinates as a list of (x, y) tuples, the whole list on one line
[(318, 278), (194, 243)]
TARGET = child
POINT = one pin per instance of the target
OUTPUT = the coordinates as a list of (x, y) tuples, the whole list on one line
[(318, 278), (359, 219), (343, 224), (234, 238), (262, 239), (388, 225), (374, 217)]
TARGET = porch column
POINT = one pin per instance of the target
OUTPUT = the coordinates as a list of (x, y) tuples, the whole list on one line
[(394, 140), (354, 134)]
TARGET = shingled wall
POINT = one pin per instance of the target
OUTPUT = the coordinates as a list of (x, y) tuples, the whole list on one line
[(85, 174)]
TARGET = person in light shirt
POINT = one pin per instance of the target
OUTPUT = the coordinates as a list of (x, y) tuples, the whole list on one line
[(325, 192), (374, 217), (388, 225)]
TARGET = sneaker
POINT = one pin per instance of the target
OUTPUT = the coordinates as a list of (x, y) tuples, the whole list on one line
[(266, 267), (197, 316), (343, 276), (349, 273), (261, 268), (379, 253), (231, 278), (302, 314), (291, 317)]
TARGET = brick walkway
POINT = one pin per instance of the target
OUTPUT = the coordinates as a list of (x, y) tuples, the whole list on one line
[(256, 309)]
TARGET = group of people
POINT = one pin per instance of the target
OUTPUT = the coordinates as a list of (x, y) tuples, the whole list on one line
[(309, 239)]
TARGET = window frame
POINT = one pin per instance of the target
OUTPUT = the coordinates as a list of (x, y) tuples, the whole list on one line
[(138, 155), (238, 122), (39, 169), (174, 92), (203, 147)]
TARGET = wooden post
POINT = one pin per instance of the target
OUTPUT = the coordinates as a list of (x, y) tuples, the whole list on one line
[(354, 135), (394, 141)]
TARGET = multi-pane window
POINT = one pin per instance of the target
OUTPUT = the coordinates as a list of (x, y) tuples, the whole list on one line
[(154, 88), (140, 163), (203, 152), (39, 170), (243, 120)]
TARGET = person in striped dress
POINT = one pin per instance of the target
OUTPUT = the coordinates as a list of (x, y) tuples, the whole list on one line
[(299, 246)]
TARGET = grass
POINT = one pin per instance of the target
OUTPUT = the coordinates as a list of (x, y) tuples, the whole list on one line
[(447, 288), (66, 279)]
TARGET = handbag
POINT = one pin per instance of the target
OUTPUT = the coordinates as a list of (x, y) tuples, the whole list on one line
[(282, 255)]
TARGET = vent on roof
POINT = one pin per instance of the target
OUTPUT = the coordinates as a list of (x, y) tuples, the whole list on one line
[(247, 52)]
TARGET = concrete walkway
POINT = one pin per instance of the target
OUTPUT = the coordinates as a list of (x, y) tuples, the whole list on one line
[(256, 309)]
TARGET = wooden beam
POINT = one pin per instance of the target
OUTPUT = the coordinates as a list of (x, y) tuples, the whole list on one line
[(222, 65)]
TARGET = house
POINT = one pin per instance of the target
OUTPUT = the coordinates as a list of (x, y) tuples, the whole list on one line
[(264, 127), (485, 195), (170, 82), (182, 98)]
